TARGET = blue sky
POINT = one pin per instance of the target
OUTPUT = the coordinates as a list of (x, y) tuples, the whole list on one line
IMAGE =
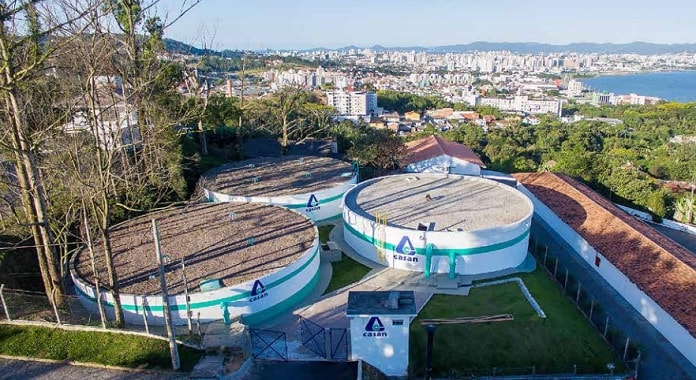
[(294, 24)]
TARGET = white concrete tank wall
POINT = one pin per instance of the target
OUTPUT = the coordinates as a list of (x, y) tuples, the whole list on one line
[(674, 332), (255, 300), (476, 252), (318, 205)]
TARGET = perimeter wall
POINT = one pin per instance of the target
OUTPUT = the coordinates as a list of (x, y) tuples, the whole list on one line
[(675, 333)]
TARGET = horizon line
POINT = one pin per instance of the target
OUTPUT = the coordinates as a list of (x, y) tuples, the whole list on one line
[(369, 46)]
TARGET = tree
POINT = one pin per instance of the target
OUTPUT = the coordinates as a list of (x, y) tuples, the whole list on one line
[(293, 114), (30, 34), (199, 89), (685, 209), (122, 156), (379, 148), (283, 112)]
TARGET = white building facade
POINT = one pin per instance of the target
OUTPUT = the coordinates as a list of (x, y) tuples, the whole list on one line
[(355, 104), (524, 104)]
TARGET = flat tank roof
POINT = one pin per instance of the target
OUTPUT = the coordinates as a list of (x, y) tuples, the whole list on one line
[(215, 246), (440, 202), (286, 175)]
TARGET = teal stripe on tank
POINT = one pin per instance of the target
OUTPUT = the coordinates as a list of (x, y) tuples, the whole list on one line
[(445, 251), (204, 304)]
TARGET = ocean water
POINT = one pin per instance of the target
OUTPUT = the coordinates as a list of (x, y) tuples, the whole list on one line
[(678, 86)]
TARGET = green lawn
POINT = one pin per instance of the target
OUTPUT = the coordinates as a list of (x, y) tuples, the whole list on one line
[(324, 232), (92, 347), (553, 345), (346, 271)]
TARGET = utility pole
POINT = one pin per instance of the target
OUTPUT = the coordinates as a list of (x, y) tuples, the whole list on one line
[(186, 294), (165, 299), (241, 107), (430, 329)]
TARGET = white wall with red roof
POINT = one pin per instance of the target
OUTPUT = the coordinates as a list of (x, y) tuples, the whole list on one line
[(444, 164), (674, 332)]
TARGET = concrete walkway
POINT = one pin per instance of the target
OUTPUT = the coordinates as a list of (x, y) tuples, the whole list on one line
[(54, 370), (329, 310)]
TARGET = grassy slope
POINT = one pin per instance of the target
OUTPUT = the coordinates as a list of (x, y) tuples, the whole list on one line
[(324, 232), (552, 345), (346, 271), (92, 347)]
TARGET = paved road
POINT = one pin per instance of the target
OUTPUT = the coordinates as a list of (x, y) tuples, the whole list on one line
[(660, 360), (686, 239), (23, 370)]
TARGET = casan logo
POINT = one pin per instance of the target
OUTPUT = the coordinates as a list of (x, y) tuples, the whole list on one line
[(374, 328), (312, 204), (404, 251), (258, 291)]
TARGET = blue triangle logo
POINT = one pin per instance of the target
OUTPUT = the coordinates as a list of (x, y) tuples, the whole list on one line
[(374, 325), (405, 247), (258, 288), (312, 202)]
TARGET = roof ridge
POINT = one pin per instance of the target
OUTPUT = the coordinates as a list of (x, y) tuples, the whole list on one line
[(657, 265), (439, 144), (624, 218)]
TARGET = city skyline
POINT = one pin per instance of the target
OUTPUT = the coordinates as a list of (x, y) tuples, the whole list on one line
[(305, 24)]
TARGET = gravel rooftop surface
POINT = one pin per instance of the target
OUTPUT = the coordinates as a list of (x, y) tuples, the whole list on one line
[(214, 246), (456, 202), (277, 175)]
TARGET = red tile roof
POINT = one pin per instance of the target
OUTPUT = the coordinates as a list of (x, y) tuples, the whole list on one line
[(435, 146), (661, 268)]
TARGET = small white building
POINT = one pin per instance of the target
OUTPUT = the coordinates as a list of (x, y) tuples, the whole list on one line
[(434, 154), (379, 328)]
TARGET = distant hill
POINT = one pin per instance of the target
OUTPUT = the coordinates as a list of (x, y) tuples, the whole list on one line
[(644, 48), (174, 46), (232, 61)]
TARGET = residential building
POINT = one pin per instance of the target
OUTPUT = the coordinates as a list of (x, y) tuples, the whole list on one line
[(433, 154), (523, 104), (117, 122), (599, 98), (353, 104), (575, 87), (412, 116)]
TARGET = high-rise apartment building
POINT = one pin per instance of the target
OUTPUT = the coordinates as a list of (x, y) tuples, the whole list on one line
[(355, 104)]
